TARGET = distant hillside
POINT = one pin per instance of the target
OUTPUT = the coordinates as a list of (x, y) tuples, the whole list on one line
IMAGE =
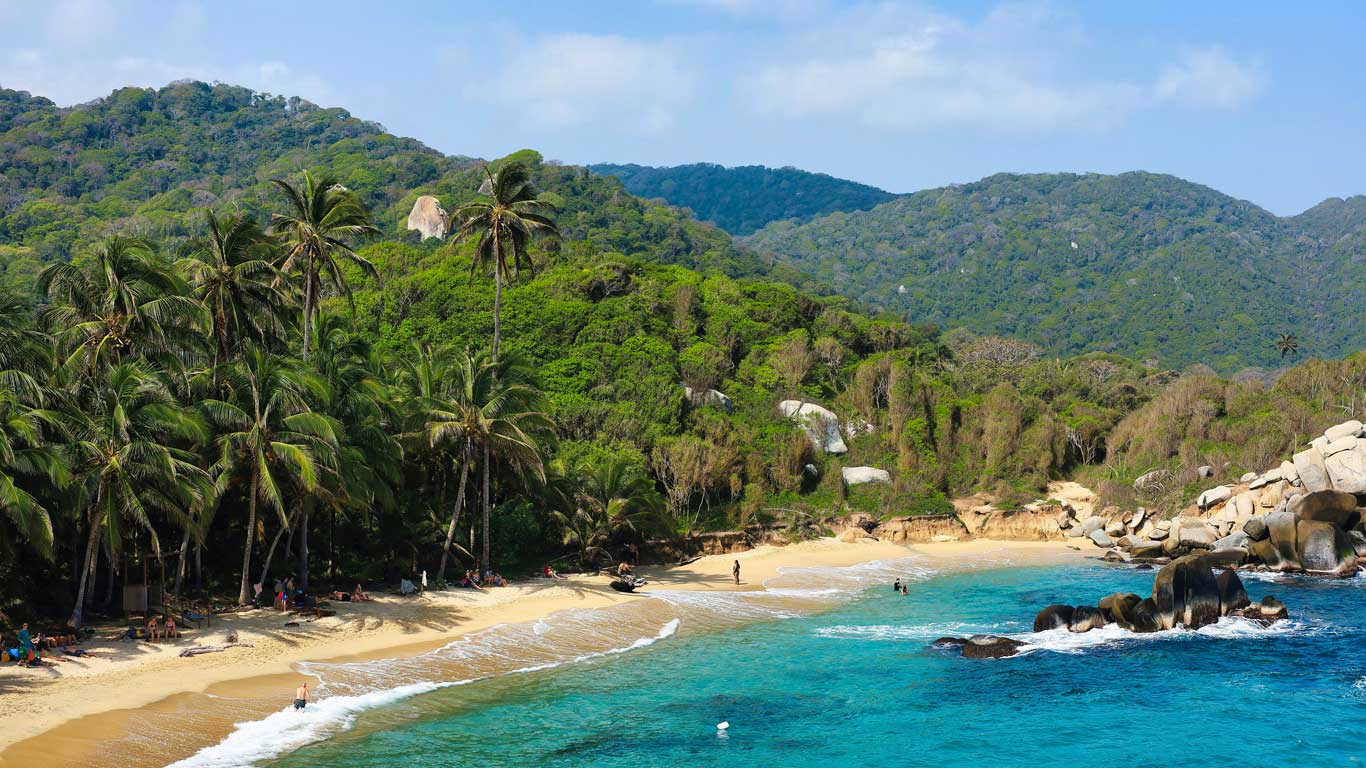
[(1139, 264), (141, 159), (741, 200)]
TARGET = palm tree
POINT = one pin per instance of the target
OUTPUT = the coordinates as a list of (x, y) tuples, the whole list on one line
[(121, 302), (428, 380), (611, 496), (272, 438), (128, 457), (493, 409), (322, 216), (231, 272), (506, 219), (24, 454), (1288, 345)]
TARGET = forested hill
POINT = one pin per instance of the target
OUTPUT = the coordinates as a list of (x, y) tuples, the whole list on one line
[(141, 159), (1145, 265), (741, 200)]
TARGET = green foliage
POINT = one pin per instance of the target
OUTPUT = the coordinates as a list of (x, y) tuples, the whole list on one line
[(1139, 264), (741, 200)]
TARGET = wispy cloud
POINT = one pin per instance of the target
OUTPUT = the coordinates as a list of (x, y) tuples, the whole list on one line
[(577, 79), (1020, 68)]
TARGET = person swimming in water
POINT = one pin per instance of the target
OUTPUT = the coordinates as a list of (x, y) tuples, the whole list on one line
[(896, 585)]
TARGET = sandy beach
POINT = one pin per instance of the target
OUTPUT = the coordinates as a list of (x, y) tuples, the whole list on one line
[(60, 715)]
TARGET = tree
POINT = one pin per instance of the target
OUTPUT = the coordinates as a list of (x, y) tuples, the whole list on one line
[(24, 455), (792, 361), (1287, 344), (322, 216), (129, 457), (231, 272), (272, 438), (506, 218), (493, 410), (123, 301)]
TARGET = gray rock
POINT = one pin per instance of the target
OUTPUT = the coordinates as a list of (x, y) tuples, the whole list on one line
[(1085, 618), (1347, 469), (1101, 540), (1075, 532), (1092, 523), (1325, 548), (822, 426), (1281, 532), (1358, 540), (1255, 528), (1205, 471), (1215, 495), (1186, 593), (1116, 527), (1351, 428), (1147, 550), (861, 475), (1338, 446), (1127, 543), (1053, 617), (1289, 473), (1197, 536), (1334, 507), (1232, 595), (1237, 539), (990, 647), (1248, 477), (1309, 466), (1158, 533), (1152, 480)]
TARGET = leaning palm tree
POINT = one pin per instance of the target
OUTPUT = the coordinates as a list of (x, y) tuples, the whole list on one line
[(271, 439), (493, 411), (322, 216), (231, 271), (129, 456), (610, 497), (1288, 345), (121, 302), (506, 217)]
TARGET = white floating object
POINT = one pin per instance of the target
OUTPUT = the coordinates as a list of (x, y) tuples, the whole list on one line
[(723, 725)]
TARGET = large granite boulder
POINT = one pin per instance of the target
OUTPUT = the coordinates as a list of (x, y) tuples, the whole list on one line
[(1267, 612), (1100, 539), (429, 218), (861, 475), (822, 426), (1216, 495), (1351, 428), (1334, 507), (1283, 536), (1255, 528), (1313, 475), (1266, 553), (1053, 617), (1145, 617), (1232, 595), (1185, 593), (990, 647), (1325, 549), (1347, 468), (1092, 523), (1197, 535), (1147, 550), (1085, 618), (1118, 607), (1235, 540)]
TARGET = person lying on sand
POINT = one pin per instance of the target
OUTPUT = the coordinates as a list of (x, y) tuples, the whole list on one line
[(343, 597)]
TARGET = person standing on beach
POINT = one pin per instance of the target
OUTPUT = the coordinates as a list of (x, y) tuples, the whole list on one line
[(736, 571), (301, 697), (25, 645)]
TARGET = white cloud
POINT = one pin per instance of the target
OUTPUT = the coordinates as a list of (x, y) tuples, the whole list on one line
[(1209, 78), (79, 21), (1022, 67), (576, 79)]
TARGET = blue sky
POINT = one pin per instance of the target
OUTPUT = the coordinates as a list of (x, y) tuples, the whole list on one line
[(1260, 100)]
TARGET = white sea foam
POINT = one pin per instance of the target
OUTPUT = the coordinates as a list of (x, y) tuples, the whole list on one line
[(287, 730), (902, 631), (1229, 628)]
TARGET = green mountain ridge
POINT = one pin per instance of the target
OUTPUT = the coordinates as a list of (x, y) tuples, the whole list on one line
[(1139, 264), (742, 199)]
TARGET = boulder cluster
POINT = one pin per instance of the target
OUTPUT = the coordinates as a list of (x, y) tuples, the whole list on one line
[(1186, 593), (1304, 516), (821, 425)]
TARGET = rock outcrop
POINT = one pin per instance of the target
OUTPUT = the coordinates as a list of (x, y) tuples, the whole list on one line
[(429, 218), (861, 475), (822, 426)]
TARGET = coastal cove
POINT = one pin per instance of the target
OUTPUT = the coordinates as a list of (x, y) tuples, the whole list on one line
[(182, 705)]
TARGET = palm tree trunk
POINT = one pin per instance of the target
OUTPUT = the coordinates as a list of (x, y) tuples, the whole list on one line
[(91, 544), (181, 564), (497, 294), (484, 560), (308, 306), (270, 555), (455, 518), (242, 594), (303, 546), (198, 566)]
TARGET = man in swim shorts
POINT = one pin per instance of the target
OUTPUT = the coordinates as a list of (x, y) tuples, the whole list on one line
[(301, 696)]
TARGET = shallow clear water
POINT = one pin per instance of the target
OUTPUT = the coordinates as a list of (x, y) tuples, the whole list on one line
[(834, 669)]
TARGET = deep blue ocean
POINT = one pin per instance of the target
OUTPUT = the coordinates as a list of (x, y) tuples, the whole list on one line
[(831, 668)]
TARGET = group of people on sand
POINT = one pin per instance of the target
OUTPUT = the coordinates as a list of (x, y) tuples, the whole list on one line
[(28, 647), (161, 628), (357, 595), (473, 580)]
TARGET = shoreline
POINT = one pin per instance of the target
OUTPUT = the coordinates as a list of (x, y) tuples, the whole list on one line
[(62, 716)]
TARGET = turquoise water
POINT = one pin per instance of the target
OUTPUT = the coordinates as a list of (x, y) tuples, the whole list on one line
[(835, 670)]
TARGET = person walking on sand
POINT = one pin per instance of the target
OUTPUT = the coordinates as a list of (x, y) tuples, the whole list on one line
[(736, 571), (301, 696)]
